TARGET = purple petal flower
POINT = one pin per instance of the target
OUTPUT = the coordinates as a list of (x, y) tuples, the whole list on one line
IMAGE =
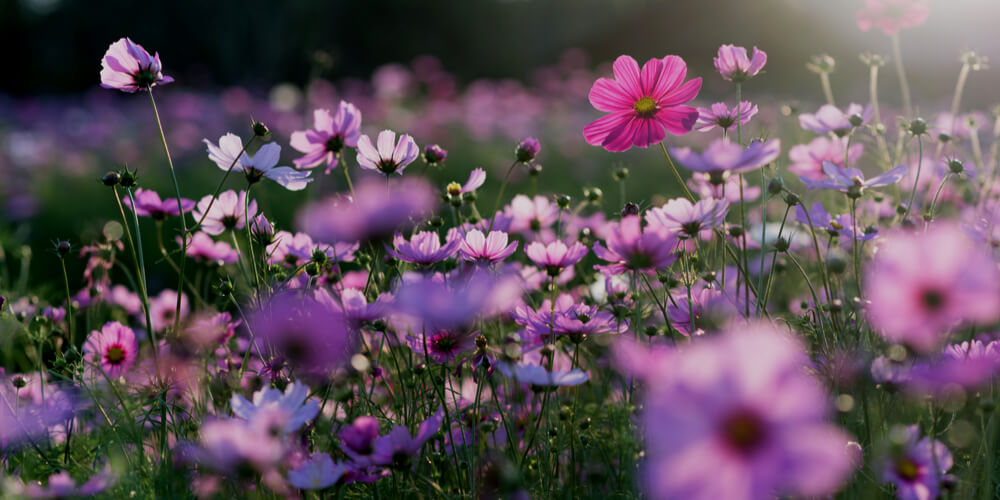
[(292, 403), (127, 66), (723, 157), (843, 180), (424, 248), (721, 116), (556, 255), (399, 448), (916, 468), (629, 248), (476, 247), (391, 156), (737, 65), (318, 472), (329, 135), (830, 119), (373, 211), (148, 204), (685, 219)]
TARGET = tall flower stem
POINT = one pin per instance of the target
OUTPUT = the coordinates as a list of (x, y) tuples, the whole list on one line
[(883, 148), (70, 333), (677, 175), (140, 273), (218, 189), (920, 162), (854, 243), (824, 80), (180, 208), (496, 204), (904, 85), (936, 195), (956, 99)]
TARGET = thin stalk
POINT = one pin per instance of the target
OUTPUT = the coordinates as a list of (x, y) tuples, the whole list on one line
[(904, 85), (876, 115), (956, 99), (936, 195), (70, 334), (920, 161), (677, 175), (824, 80), (140, 275)]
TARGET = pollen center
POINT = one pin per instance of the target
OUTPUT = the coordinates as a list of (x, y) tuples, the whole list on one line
[(645, 106), (115, 354)]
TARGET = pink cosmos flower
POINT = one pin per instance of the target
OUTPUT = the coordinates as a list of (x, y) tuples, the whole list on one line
[(295, 249), (163, 307), (442, 346), (702, 184), (527, 150), (203, 248), (538, 376), (555, 256), (918, 466), (399, 448), (920, 285), (228, 212), (229, 153), (892, 15), (643, 104), (311, 337), (358, 439), (62, 485), (113, 349), (424, 248), (391, 156), (807, 159), (476, 247), (737, 65), (722, 157), (127, 66), (847, 179), (329, 135), (685, 219), (722, 116), (149, 204), (629, 248), (830, 119), (531, 214)]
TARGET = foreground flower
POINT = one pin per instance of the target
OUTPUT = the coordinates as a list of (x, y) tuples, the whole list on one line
[(830, 118), (685, 219), (852, 180), (229, 211), (722, 116), (113, 349), (373, 212), (424, 248), (538, 376), (292, 403), (722, 157), (921, 285), (62, 485), (737, 65), (737, 416), (629, 248), (149, 204), (555, 256), (476, 247), (399, 448), (807, 159), (329, 135), (202, 248), (644, 105), (229, 153), (127, 66), (892, 15), (917, 466), (316, 473), (307, 335), (391, 157)]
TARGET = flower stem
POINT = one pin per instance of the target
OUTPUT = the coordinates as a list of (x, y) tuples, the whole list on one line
[(920, 162), (904, 85), (496, 204), (677, 174)]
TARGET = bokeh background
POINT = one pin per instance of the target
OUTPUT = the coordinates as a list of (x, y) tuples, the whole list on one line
[(473, 76)]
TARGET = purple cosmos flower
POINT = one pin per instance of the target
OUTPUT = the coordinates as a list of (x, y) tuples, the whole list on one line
[(391, 156), (711, 309), (261, 230), (202, 248), (921, 285), (424, 248), (643, 104), (970, 365), (842, 225), (373, 212), (329, 135), (294, 249), (737, 416), (555, 256), (356, 308), (308, 335), (163, 307), (226, 213), (476, 247), (830, 118), (531, 214), (399, 448), (430, 303), (916, 466), (580, 321), (721, 116), (62, 485), (113, 349), (729, 190), (527, 150), (442, 346), (149, 204), (292, 402), (232, 446), (850, 179), (127, 66), (685, 219), (434, 154), (262, 164), (318, 472), (629, 248), (722, 157), (476, 179), (892, 15), (736, 64), (358, 439), (211, 330), (807, 159), (538, 376)]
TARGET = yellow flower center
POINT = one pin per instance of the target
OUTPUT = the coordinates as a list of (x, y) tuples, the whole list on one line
[(645, 106)]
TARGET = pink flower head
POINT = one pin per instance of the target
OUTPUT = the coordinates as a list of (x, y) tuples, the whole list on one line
[(531, 214), (399, 448), (424, 248), (920, 285), (163, 307), (62, 485), (429, 303), (148, 204), (830, 119), (685, 219), (555, 256), (738, 416), (537, 375), (807, 159), (229, 211), (722, 116), (527, 150), (643, 105), (736, 64), (292, 402), (391, 157), (113, 349), (308, 335), (892, 15), (917, 465), (476, 247), (434, 154), (442, 346), (847, 180), (704, 186), (127, 66), (722, 157), (329, 135), (629, 248), (358, 439), (229, 154), (203, 248)]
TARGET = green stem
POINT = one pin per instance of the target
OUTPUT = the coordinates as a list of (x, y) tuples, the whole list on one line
[(677, 175), (496, 204), (140, 275), (904, 85), (920, 162)]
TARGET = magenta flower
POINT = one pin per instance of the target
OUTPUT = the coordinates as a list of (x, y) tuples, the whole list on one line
[(892, 15), (685, 219), (229, 153), (163, 307), (231, 446), (391, 156), (309, 336), (736, 64), (442, 346), (921, 285), (424, 248), (149, 204), (127, 66), (527, 150), (434, 154), (476, 247), (292, 402), (298, 248), (228, 212), (62, 485), (399, 448), (429, 303), (358, 439), (738, 416), (729, 190), (722, 116), (722, 157), (531, 214), (643, 105), (917, 466), (318, 472), (555, 256), (830, 119), (113, 349), (329, 135), (202, 248), (807, 159), (629, 248), (850, 179)]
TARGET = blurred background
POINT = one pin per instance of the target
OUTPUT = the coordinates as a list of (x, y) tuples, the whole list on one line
[(473, 76)]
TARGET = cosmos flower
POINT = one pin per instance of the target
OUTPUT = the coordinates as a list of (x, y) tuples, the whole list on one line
[(722, 157), (62, 485), (921, 285), (475, 247), (681, 217), (629, 248), (202, 248), (163, 307), (846, 180), (830, 119), (391, 157), (555, 256), (531, 214), (807, 159), (127, 66), (736, 64), (434, 154), (538, 376), (892, 15), (399, 448), (643, 104), (232, 446), (702, 184), (430, 303), (309, 336), (295, 249), (292, 402), (917, 465), (527, 150), (229, 211), (328, 137), (442, 346), (424, 248), (721, 116), (149, 204), (318, 472), (113, 349), (842, 225), (229, 153), (358, 439)]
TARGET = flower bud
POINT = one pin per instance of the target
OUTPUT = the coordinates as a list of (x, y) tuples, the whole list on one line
[(436, 221), (630, 209), (259, 129), (527, 150), (454, 189), (111, 179), (821, 64), (469, 197), (127, 179), (621, 173), (534, 170), (854, 192), (956, 166), (593, 194), (781, 244), (736, 231), (835, 264), (434, 154), (261, 230), (62, 248), (856, 120), (792, 199), (918, 126), (563, 201), (944, 138), (775, 185)]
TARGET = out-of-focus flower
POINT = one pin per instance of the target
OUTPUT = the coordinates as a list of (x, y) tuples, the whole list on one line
[(555, 256), (292, 403), (920, 285), (538, 376), (62, 485), (685, 219), (229, 153), (729, 190), (308, 335), (399, 448), (127, 66), (434, 304), (163, 307), (358, 439), (316, 473), (527, 150), (629, 248), (531, 214), (852, 180), (916, 466), (643, 105), (202, 248), (830, 118), (391, 157), (722, 157), (113, 349), (424, 248), (442, 346), (434, 154), (329, 135), (737, 64), (149, 204), (373, 211), (807, 159), (892, 15), (229, 211), (476, 247), (722, 116)]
